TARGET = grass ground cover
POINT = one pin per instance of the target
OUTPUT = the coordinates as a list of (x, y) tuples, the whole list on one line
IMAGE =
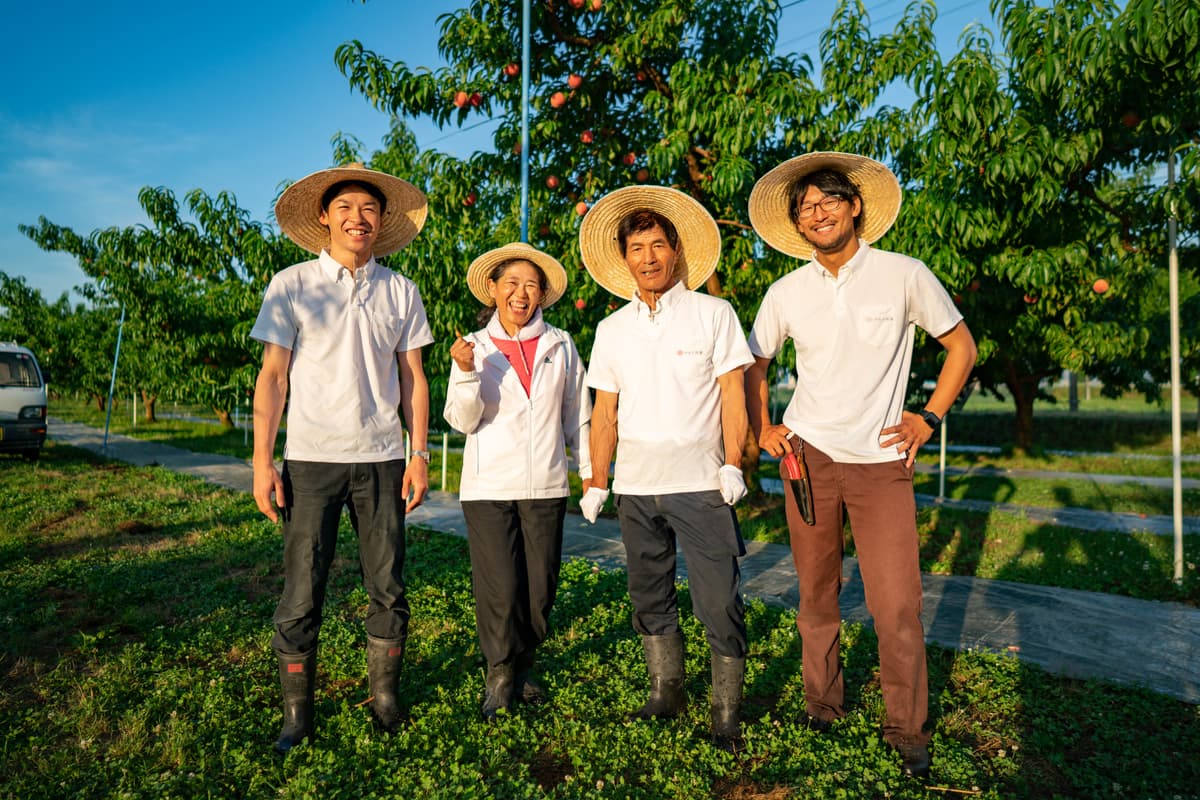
[(1090, 401), (1012, 547), (1060, 492), (1132, 466), (953, 542), (1084, 432), (134, 644)]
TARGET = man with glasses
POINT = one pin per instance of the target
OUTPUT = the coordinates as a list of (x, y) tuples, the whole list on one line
[(851, 312)]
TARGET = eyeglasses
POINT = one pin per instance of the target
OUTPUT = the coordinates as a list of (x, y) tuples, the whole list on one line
[(828, 204)]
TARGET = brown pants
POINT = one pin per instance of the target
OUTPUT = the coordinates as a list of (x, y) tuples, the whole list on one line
[(879, 500)]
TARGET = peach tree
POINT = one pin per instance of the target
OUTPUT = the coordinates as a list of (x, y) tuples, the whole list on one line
[(685, 93), (1042, 194), (190, 282), (73, 345)]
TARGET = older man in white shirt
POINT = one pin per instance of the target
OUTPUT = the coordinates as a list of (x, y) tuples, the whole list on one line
[(667, 370)]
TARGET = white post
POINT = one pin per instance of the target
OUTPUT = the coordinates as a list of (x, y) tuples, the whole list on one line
[(942, 464), (445, 446), (133, 408), (112, 382), (1176, 400)]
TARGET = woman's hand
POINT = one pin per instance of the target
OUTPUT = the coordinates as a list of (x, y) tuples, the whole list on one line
[(463, 353)]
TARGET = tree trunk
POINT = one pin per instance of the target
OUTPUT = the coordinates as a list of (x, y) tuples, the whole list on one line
[(1073, 391), (1024, 431), (224, 418), (148, 403), (99, 398), (1023, 389)]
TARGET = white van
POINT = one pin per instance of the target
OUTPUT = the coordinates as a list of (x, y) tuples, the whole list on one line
[(22, 401)]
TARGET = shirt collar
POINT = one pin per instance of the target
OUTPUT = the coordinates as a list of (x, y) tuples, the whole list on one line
[(334, 271), (850, 267), (666, 301), (530, 330)]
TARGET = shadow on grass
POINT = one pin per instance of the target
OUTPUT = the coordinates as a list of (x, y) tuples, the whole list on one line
[(1008, 547)]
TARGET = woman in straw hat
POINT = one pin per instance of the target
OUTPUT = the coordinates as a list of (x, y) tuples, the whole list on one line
[(344, 334), (516, 390), (667, 370), (851, 312)]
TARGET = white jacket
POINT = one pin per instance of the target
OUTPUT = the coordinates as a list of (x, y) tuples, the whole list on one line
[(516, 444)]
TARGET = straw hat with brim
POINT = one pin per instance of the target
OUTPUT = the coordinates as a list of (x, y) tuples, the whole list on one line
[(299, 208), (477, 273), (770, 200), (699, 240)]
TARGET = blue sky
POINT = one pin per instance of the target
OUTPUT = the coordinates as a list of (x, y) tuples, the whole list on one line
[(101, 99)]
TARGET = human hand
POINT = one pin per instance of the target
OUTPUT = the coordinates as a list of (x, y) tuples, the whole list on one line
[(593, 500), (463, 353), (268, 487), (733, 485), (416, 483), (774, 439), (908, 436)]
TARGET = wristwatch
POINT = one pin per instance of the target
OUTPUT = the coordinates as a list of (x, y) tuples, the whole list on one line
[(421, 454), (931, 419)]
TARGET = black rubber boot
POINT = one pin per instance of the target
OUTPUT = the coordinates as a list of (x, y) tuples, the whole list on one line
[(525, 689), (664, 662), (497, 691), (297, 675), (728, 674), (385, 657), (914, 756)]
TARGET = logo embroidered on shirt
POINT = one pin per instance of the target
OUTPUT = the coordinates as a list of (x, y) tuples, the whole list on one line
[(689, 352)]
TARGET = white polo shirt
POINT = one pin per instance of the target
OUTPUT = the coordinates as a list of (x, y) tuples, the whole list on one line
[(854, 341), (664, 368), (345, 331)]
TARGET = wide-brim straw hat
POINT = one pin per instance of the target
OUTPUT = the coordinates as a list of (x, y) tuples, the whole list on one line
[(770, 200), (556, 275), (299, 208), (699, 248)]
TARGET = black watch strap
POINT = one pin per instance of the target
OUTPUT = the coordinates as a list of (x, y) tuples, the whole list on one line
[(931, 419)]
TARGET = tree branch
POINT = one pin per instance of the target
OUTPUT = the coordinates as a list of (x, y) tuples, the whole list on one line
[(1089, 191), (556, 27), (660, 83)]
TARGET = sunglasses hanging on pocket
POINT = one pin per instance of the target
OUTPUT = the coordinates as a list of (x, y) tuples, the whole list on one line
[(795, 475)]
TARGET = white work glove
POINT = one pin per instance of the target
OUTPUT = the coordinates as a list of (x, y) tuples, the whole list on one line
[(591, 503), (733, 485)]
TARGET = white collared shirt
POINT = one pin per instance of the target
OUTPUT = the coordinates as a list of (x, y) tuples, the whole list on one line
[(345, 331), (854, 340), (664, 365)]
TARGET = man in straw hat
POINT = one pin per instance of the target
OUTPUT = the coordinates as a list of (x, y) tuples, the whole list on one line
[(667, 370), (345, 334), (851, 312)]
